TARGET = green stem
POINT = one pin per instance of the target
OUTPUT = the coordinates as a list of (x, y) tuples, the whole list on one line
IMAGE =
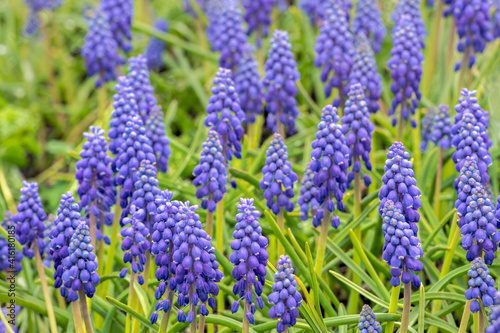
[(481, 321), (320, 255), (405, 320), (393, 306), (465, 318), (85, 311), (45, 288), (280, 220), (201, 324), (246, 309), (128, 322), (46, 31), (401, 129), (439, 175), (6, 191), (220, 245), (166, 315), (352, 307), (101, 96), (6, 324), (194, 326), (77, 317), (210, 223)]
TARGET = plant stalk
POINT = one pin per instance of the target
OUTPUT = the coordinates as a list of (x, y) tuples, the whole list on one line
[(401, 129), (201, 324), (46, 32), (465, 318), (102, 96), (405, 320), (130, 302), (352, 307), (246, 309), (77, 317), (166, 315), (481, 321), (194, 326), (210, 224), (320, 255), (220, 245), (45, 288), (85, 311), (439, 175), (280, 220), (393, 306), (93, 228)]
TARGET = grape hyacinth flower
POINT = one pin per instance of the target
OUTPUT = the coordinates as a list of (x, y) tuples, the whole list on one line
[(277, 182), (364, 71), (35, 7), (442, 128), (258, 17), (7, 261), (329, 163), (80, 266), (210, 174), (135, 148), (156, 47), (124, 107), (193, 260), (368, 21), (411, 9), (368, 322), (249, 258), (156, 132), (468, 180), (312, 8), (225, 115), (358, 129), (468, 141), (481, 286), (213, 13), (346, 6), (474, 28), (65, 225), (119, 14), (496, 20), (229, 37), (135, 243), (29, 218), (100, 50), (285, 298), (49, 225), (146, 191), (427, 129), (400, 185), (478, 226), (335, 52), (402, 248), (308, 194), (138, 76), (494, 319), (249, 85), (95, 179), (279, 82), (405, 65)]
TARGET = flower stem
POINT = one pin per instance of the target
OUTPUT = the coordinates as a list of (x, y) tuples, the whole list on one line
[(246, 309), (166, 315), (481, 321), (354, 296), (465, 318), (201, 324), (128, 322), (437, 191), (46, 32), (280, 220), (85, 311), (77, 317), (45, 288), (193, 327), (405, 320), (101, 96), (401, 129), (393, 306), (220, 245), (93, 228), (320, 254), (210, 223)]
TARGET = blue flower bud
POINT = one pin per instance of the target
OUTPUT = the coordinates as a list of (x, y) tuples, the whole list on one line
[(368, 322)]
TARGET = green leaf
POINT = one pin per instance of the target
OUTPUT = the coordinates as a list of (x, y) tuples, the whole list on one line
[(314, 286), (342, 313), (245, 176), (421, 307), (132, 312), (32, 303), (443, 282)]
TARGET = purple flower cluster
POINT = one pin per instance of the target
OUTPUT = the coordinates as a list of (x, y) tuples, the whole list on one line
[(279, 82), (258, 17), (124, 107), (6, 262), (402, 247), (346, 6), (285, 298), (364, 71), (249, 258), (49, 225), (368, 322), (400, 185), (100, 50), (210, 173), (468, 180), (494, 319), (135, 243), (329, 163), (95, 178), (467, 102), (29, 219), (312, 8), (225, 115), (156, 132), (146, 191), (229, 37), (119, 14), (368, 21), (411, 9), (35, 7), (474, 28), (249, 85), (278, 177), (335, 51), (405, 65), (80, 266), (65, 225), (358, 129), (442, 128), (156, 46), (138, 76), (426, 129), (481, 286), (308, 194), (496, 20)]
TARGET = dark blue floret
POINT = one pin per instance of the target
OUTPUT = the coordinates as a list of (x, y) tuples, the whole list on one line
[(146, 193), (368, 322), (156, 46), (481, 286), (138, 77), (329, 163), (312, 8), (35, 7), (426, 129), (442, 128), (279, 82), (368, 20), (285, 298), (156, 132), (120, 14), (6, 257), (258, 17), (278, 177), (494, 319), (210, 174), (29, 218), (49, 225), (411, 9), (249, 258), (308, 194), (468, 180), (402, 248)]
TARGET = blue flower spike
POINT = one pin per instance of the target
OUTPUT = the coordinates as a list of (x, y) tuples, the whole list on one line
[(156, 47), (368, 322), (138, 76), (308, 194), (120, 14), (442, 128), (156, 132), (427, 129), (481, 286), (6, 262), (368, 20)]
